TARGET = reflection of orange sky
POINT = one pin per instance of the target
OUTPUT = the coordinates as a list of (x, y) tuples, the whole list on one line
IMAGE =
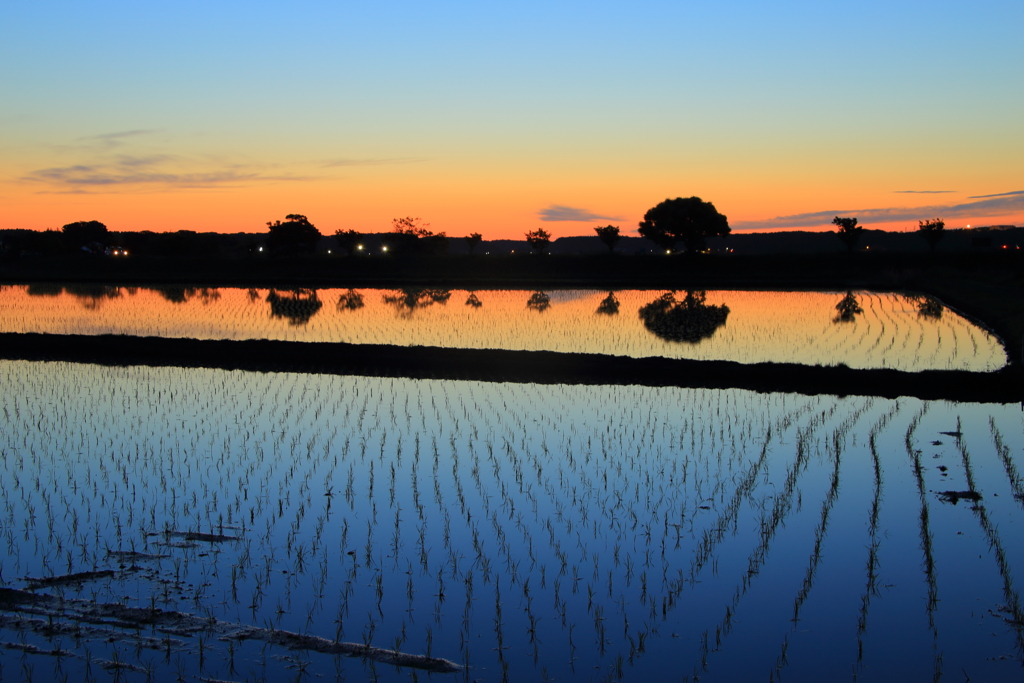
[(796, 327)]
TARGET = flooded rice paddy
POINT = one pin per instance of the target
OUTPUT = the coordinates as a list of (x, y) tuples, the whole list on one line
[(859, 329), (183, 524)]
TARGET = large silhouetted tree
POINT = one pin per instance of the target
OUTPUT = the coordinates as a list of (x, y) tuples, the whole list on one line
[(609, 235), (295, 235), (932, 231), (81, 233), (690, 220), (849, 232)]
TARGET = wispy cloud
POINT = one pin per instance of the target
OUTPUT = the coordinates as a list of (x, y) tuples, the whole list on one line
[(991, 205), (557, 212), (334, 163), (117, 139), (924, 191), (1001, 194)]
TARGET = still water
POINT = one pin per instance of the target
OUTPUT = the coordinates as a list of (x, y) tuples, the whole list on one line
[(860, 329), (522, 532)]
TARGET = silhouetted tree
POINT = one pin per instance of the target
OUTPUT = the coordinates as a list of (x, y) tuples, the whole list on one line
[(473, 241), (81, 233), (691, 220), (690, 320), (538, 301), (350, 301), (410, 235), (296, 306), (347, 240), (609, 305), (609, 235), (932, 231), (539, 240), (848, 309), (296, 235), (849, 232), (474, 300)]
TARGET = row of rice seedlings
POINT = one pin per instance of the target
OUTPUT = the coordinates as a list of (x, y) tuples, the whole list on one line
[(927, 538), (282, 505), (1010, 594), (391, 511)]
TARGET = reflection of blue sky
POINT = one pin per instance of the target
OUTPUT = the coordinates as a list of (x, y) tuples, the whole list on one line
[(624, 487)]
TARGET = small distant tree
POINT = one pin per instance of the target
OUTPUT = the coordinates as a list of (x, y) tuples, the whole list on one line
[(849, 232), (410, 226), (81, 233), (691, 220), (932, 231), (348, 240), (411, 235), (294, 235), (609, 235), (539, 240), (473, 241)]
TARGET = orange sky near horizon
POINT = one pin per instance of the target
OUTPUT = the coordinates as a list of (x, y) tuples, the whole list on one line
[(502, 120)]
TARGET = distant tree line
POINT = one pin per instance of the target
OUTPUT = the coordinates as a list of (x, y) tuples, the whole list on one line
[(674, 223)]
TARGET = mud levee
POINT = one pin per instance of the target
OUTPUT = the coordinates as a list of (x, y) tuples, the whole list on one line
[(540, 367)]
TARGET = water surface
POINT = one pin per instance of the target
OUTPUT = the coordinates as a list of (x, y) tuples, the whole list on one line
[(527, 532), (860, 329)]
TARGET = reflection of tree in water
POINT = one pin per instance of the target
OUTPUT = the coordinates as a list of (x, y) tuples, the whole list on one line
[(406, 301), (297, 306), (473, 299), (690, 320), (538, 301), (350, 301), (44, 289), (180, 295), (927, 307), (254, 295), (609, 305), (848, 308), (92, 296)]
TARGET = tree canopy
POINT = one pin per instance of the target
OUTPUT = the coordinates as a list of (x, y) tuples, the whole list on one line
[(932, 231), (295, 235), (849, 232), (347, 240), (690, 220), (473, 240), (80, 233), (411, 235), (539, 240), (609, 235)]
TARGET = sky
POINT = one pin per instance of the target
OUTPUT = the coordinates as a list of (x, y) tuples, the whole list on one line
[(501, 118)]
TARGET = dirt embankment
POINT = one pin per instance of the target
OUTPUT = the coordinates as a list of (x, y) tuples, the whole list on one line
[(538, 367)]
